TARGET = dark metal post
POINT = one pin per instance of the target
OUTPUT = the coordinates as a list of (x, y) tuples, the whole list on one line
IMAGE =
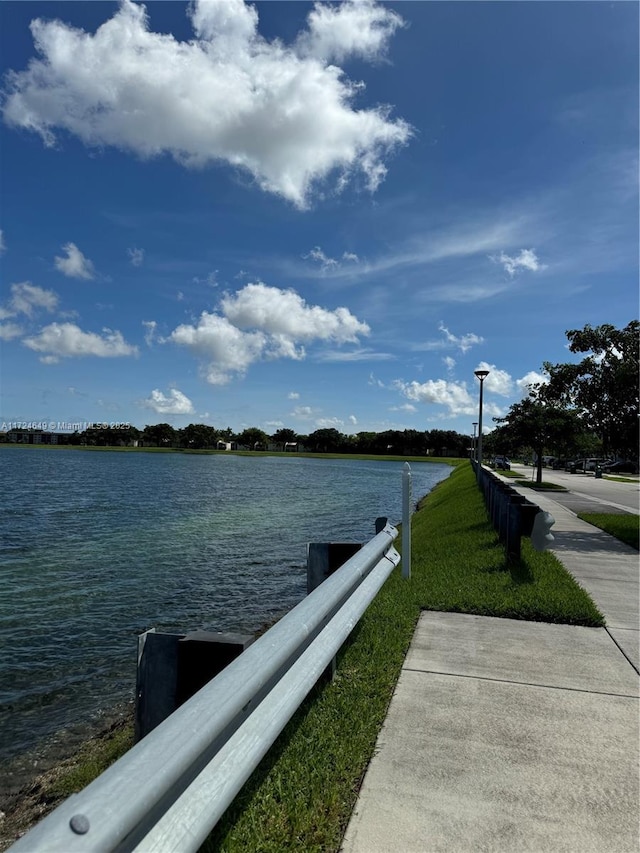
[(482, 375)]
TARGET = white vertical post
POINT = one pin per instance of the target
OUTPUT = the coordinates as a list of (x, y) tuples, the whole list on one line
[(406, 521)]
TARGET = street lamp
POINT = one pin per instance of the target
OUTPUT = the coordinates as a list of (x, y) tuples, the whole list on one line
[(474, 424), (482, 375)]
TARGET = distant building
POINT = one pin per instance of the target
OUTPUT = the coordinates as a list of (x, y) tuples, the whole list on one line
[(33, 436)]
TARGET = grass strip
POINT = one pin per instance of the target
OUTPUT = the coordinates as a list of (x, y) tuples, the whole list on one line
[(623, 526), (303, 793), (540, 487)]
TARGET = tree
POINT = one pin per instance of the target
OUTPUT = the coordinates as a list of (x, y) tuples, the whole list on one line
[(160, 435), (533, 423), (448, 442), (284, 436), (325, 441), (198, 436), (253, 438), (603, 388)]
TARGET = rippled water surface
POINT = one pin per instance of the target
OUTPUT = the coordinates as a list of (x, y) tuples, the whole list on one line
[(96, 547)]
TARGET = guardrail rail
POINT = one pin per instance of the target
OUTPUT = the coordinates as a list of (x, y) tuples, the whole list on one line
[(168, 791)]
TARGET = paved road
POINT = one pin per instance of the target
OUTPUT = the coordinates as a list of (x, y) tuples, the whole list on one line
[(588, 494)]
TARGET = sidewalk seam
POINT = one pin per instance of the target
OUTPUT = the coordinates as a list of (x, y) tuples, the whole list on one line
[(622, 650), (522, 683)]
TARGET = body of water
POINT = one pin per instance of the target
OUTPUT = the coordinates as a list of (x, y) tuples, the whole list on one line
[(97, 547)]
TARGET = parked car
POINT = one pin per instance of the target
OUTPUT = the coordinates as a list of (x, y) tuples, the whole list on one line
[(501, 463), (593, 463), (620, 467), (558, 464)]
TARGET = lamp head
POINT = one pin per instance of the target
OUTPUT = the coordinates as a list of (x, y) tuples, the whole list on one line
[(481, 374)]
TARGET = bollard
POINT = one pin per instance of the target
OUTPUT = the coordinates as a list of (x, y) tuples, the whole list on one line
[(406, 521), (541, 536)]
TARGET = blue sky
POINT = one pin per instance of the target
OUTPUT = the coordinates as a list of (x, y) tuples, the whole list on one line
[(306, 216)]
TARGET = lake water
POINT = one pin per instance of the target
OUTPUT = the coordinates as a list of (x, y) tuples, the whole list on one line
[(97, 547)]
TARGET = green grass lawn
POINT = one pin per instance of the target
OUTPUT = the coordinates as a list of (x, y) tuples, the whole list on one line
[(542, 487), (301, 796), (624, 526)]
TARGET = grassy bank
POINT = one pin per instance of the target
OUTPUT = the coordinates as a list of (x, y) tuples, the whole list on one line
[(303, 793), (363, 457), (624, 527)]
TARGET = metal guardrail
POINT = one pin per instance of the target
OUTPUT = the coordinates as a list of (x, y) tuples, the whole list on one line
[(172, 787)]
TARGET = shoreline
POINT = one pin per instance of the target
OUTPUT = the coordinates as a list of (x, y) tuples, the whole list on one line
[(30, 785), (21, 770), (43, 788)]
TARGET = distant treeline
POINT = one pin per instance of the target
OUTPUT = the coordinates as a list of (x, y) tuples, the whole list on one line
[(408, 442)]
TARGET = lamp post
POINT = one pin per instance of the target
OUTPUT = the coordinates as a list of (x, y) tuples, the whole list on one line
[(474, 424), (482, 375)]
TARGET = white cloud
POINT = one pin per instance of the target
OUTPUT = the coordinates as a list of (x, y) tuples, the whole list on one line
[(175, 403), (498, 381), (75, 265), (450, 341), (304, 413), (453, 395), (211, 279), (349, 29), (405, 407), (463, 343), (352, 420), (363, 354), (281, 113), (525, 384), (329, 423), (327, 263), (293, 395), (316, 254), (227, 350), (527, 260), (285, 313), (449, 362), (3, 245), (27, 297), (151, 326), (136, 256), (9, 331), (63, 340), (261, 322)]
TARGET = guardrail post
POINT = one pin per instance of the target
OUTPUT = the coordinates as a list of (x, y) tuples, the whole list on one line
[(406, 521), (172, 667), (323, 559)]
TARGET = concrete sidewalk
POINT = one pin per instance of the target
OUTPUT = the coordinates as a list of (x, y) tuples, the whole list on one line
[(504, 735)]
